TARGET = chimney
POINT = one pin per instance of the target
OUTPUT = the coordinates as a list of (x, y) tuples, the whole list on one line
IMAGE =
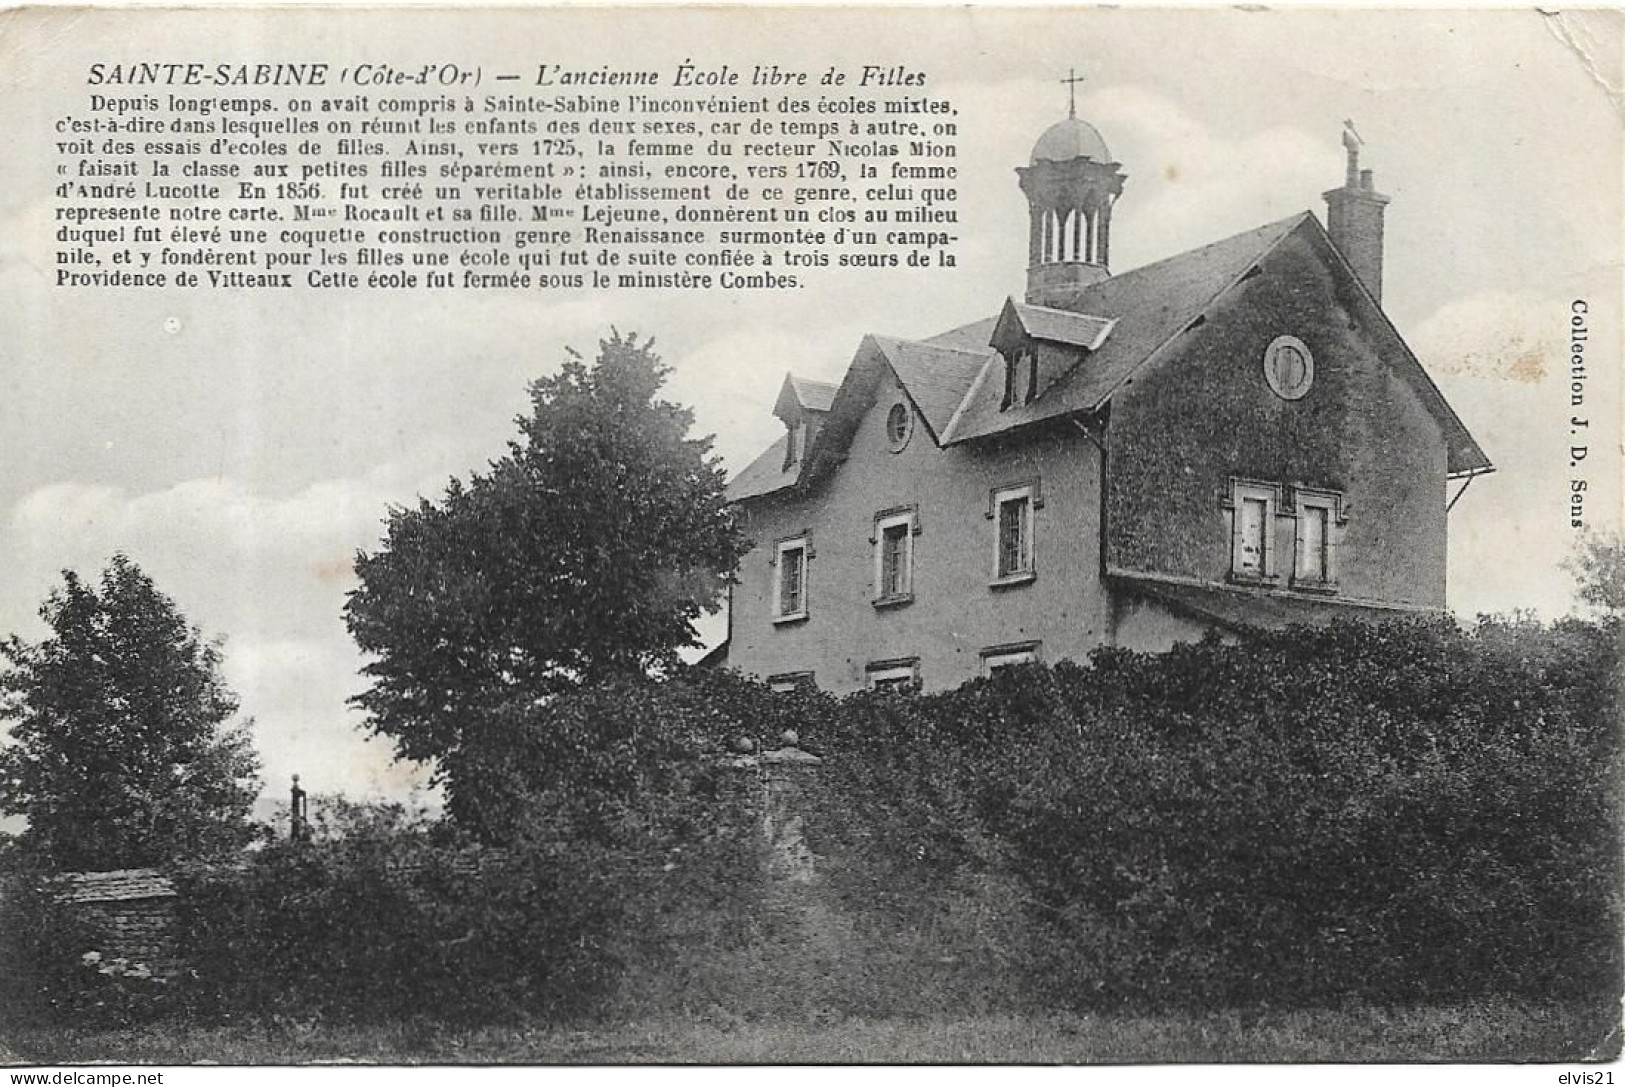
[(1354, 218)]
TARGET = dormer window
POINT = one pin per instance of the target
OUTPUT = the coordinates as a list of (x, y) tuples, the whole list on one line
[(795, 446), (802, 406), (1020, 378)]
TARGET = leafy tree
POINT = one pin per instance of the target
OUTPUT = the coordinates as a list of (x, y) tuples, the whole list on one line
[(583, 555), (1598, 567), (123, 752)]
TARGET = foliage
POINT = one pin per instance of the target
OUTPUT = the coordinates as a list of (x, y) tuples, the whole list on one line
[(50, 972), (389, 927), (584, 554), (112, 990), (1403, 812), (123, 749), (382, 916), (1411, 814), (38, 943), (1598, 568)]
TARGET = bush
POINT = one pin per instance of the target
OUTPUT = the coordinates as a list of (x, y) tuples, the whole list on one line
[(1402, 812), (53, 971), (1407, 812), (392, 928), (610, 819)]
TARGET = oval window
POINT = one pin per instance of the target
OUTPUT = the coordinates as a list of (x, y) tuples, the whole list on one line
[(1289, 367), (899, 424)]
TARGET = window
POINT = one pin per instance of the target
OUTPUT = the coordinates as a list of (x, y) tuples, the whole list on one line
[(1289, 368), (901, 675), (791, 596), (795, 444), (1252, 544), (1020, 378), (786, 682), (894, 556), (899, 425), (998, 657), (1012, 512), (1255, 513), (1319, 513)]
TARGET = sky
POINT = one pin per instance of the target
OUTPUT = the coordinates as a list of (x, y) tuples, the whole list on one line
[(242, 448)]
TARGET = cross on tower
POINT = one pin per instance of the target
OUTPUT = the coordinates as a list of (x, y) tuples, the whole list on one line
[(1072, 81)]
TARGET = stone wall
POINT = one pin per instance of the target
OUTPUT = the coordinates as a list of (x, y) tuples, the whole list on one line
[(128, 914)]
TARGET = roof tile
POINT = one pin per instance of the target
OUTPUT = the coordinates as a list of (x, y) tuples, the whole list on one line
[(935, 377), (764, 475), (1238, 609), (1063, 326), (117, 886), (1148, 305), (814, 395), (1121, 323)]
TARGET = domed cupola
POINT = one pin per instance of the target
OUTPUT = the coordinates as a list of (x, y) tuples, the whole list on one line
[(1071, 184), (1066, 140)]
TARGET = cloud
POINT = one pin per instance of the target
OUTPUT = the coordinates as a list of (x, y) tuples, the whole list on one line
[(295, 689), (1501, 359), (1192, 186), (242, 457), (222, 515), (1511, 335), (239, 561), (731, 381)]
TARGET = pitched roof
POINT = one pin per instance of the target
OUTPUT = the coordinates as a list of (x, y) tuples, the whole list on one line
[(1463, 455), (936, 377), (1061, 326), (972, 337), (768, 472), (1149, 306), (715, 657), (799, 394), (814, 395), (1237, 609), (122, 885), (1120, 324), (764, 475)]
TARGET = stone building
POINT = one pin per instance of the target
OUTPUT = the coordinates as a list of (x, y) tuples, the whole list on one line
[(129, 913), (1234, 436)]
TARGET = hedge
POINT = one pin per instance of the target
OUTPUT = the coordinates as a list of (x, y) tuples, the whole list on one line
[(1396, 813), (606, 818), (1402, 812)]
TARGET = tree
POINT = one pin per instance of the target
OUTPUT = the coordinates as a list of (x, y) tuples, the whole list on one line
[(123, 752), (583, 555), (1598, 568)]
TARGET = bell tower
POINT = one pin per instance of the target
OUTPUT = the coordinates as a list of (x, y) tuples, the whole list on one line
[(1071, 184)]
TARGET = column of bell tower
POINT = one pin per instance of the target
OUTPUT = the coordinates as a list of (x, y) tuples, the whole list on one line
[(1071, 185)]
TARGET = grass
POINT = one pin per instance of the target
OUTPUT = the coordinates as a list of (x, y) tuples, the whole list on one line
[(860, 963), (1491, 1032), (853, 975)]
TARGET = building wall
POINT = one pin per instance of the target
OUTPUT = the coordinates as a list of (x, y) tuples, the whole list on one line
[(955, 614), (1196, 419), (141, 930), (1148, 627)]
